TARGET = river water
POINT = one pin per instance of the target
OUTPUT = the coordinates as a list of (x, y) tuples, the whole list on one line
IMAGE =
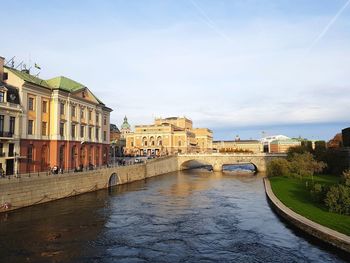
[(191, 216)]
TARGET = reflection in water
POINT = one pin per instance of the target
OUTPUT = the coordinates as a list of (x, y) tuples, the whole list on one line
[(186, 216)]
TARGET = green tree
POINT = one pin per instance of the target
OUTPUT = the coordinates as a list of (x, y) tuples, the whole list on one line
[(304, 164), (278, 167)]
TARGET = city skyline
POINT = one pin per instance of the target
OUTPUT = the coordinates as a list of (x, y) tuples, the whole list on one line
[(236, 67)]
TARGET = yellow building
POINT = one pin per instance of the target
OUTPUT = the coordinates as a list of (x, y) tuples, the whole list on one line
[(204, 139), (167, 136), (63, 123), (238, 146)]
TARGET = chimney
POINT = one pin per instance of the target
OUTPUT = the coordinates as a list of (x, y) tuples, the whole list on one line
[(2, 61)]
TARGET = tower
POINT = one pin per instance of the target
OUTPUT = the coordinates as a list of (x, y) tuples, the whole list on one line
[(125, 128)]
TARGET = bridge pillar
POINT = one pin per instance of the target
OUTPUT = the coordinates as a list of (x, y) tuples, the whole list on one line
[(217, 167)]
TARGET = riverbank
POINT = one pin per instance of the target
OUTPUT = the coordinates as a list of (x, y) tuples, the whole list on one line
[(323, 233), (40, 188)]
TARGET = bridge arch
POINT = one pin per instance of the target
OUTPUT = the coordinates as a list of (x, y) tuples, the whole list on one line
[(114, 180), (195, 164), (240, 166)]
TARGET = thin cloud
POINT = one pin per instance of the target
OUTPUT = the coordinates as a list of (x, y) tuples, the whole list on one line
[(209, 21), (328, 26)]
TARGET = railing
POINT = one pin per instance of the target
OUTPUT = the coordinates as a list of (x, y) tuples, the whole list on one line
[(6, 134), (2, 154), (85, 170)]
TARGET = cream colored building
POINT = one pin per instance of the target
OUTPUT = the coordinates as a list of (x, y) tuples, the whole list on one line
[(167, 136), (10, 114), (238, 146)]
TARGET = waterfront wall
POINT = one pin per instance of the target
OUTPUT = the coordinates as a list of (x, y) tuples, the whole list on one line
[(40, 188), (316, 230)]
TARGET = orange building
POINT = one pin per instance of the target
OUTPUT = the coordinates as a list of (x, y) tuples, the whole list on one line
[(282, 146), (63, 123)]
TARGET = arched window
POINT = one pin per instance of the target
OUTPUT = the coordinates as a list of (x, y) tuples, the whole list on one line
[(61, 156), (74, 156), (152, 141), (179, 143), (144, 141), (159, 141)]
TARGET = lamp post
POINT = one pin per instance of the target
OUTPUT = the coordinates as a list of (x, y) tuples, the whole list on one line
[(113, 144)]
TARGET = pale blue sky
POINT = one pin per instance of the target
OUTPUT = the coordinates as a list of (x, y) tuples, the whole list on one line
[(235, 66)]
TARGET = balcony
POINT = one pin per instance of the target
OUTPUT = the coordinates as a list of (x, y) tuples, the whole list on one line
[(2, 154), (4, 134)]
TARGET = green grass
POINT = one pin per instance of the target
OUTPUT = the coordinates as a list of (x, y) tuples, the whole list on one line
[(294, 194)]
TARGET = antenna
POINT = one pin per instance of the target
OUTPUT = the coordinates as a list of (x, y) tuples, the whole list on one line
[(12, 61), (19, 65)]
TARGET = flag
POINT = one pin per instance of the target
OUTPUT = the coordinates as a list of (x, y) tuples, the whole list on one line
[(37, 66)]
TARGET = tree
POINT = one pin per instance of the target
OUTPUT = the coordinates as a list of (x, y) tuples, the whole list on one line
[(278, 167), (304, 164)]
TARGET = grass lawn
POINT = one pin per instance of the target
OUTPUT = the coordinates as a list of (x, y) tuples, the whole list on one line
[(293, 193)]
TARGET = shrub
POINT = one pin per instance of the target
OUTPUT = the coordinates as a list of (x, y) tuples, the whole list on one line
[(278, 167), (318, 192), (345, 178), (338, 199)]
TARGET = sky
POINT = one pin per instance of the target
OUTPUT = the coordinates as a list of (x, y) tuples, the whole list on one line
[(238, 67)]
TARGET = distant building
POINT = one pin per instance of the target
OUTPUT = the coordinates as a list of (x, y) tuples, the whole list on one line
[(253, 146), (168, 136), (336, 142), (282, 146), (117, 142), (268, 139)]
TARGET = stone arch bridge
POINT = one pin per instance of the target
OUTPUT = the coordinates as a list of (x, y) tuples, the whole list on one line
[(218, 160)]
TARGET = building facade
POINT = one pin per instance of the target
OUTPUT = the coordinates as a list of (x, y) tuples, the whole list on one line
[(282, 146), (10, 114), (168, 136), (62, 124), (252, 146)]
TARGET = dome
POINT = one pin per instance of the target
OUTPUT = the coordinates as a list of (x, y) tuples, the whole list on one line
[(125, 124)]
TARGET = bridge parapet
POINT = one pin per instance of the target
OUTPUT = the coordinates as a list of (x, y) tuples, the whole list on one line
[(217, 160)]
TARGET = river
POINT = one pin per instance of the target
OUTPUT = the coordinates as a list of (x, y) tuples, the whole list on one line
[(189, 216)]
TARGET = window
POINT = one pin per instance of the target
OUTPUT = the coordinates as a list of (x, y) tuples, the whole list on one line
[(90, 133), (62, 108), (90, 115), (2, 96), (97, 134), (73, 111), (73, 130), (105, 120), (31, 104), (44, 106), (62, 128), (104, 135), (44, 128), (97, 117), (132, 144), (2, 123), (12, 125), (30, 127), (1, 150), (30, 153), (82, 113), (82, 129), (179, 143)]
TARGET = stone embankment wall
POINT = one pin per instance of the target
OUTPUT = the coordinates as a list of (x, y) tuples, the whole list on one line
[(40, 188), (318, 231)]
